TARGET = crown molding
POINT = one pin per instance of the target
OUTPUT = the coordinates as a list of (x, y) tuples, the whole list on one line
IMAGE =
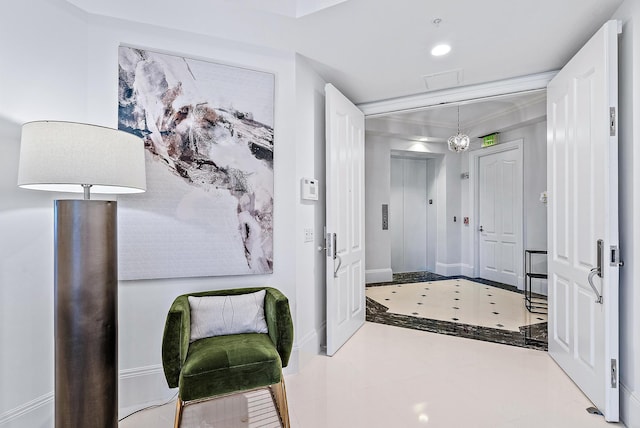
[(531, 82)]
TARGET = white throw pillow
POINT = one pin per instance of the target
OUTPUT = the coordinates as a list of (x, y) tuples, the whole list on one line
[(223, 315)]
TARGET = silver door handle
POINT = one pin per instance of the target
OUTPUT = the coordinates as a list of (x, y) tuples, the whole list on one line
[(597, 270), (336, 256), (593, 273)]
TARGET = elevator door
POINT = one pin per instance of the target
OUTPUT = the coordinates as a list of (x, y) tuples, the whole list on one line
[(408, 215)]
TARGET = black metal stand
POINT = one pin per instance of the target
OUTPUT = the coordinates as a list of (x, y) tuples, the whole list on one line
[(537, 305)]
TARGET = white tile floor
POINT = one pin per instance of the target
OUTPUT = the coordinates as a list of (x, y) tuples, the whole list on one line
[(457, 300), (393, 377)]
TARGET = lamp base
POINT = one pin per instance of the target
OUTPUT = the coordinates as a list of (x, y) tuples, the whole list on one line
[(86, 311)]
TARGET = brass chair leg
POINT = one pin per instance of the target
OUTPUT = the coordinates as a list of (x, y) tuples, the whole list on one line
[(179, 406), (280, 396)]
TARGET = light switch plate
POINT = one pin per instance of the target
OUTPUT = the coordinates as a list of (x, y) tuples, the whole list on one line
[(310, 188), (308, 234)]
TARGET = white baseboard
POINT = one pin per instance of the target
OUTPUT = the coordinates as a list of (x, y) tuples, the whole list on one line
[(449, 269), (294, 361), (37, 412), (140, 387), (629, 407), (378, 275), (309, 346), (467, 270)]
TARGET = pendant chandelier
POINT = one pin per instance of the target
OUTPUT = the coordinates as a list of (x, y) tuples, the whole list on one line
[(459, 142)]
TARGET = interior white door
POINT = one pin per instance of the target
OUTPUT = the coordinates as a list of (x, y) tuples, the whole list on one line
[(500, 216), (345, 219), (582, 174)]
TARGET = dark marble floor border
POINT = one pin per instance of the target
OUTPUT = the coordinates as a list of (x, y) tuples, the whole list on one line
[(531, 336), (411, 277)]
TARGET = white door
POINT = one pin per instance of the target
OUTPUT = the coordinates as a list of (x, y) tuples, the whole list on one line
[(582, 175), (500, 216), (345, 219)]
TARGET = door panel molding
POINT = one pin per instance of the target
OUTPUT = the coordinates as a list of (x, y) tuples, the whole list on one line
[(474, 169), (582, 210), (345, 241)]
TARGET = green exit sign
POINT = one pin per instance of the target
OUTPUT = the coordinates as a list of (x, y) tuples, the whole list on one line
[(490, 140)]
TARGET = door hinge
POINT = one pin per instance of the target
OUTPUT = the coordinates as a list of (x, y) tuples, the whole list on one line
[(612, 121), (614, 373)]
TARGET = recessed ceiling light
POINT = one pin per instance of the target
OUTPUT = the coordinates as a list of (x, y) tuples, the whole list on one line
[(441, 50)]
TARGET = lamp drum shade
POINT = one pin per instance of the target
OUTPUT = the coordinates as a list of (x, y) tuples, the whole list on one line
[(63, 156)]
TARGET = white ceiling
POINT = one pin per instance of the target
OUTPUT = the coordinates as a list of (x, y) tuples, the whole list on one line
[(376, 49)]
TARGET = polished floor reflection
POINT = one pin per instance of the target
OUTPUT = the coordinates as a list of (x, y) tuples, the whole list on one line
[(386, 377), (253, 409)]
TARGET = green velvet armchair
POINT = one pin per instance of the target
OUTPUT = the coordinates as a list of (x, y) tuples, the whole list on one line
[(221, 365)]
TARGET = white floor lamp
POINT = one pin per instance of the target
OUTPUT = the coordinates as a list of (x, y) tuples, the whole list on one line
[(75, 157)]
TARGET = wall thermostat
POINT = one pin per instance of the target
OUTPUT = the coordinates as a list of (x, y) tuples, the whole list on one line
[(309, 189)]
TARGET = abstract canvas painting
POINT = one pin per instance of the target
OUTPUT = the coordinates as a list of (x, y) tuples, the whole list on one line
[(208, 134)]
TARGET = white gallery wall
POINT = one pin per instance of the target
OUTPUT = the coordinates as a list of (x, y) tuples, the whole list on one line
[(42, 76), (61, 64), (310, 163), (535, 182)]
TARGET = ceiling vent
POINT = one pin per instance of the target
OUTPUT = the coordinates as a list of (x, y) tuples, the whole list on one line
[(444, 79)]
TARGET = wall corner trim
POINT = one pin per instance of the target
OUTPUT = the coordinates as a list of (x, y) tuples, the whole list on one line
[(468, 270), (629, 406)]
